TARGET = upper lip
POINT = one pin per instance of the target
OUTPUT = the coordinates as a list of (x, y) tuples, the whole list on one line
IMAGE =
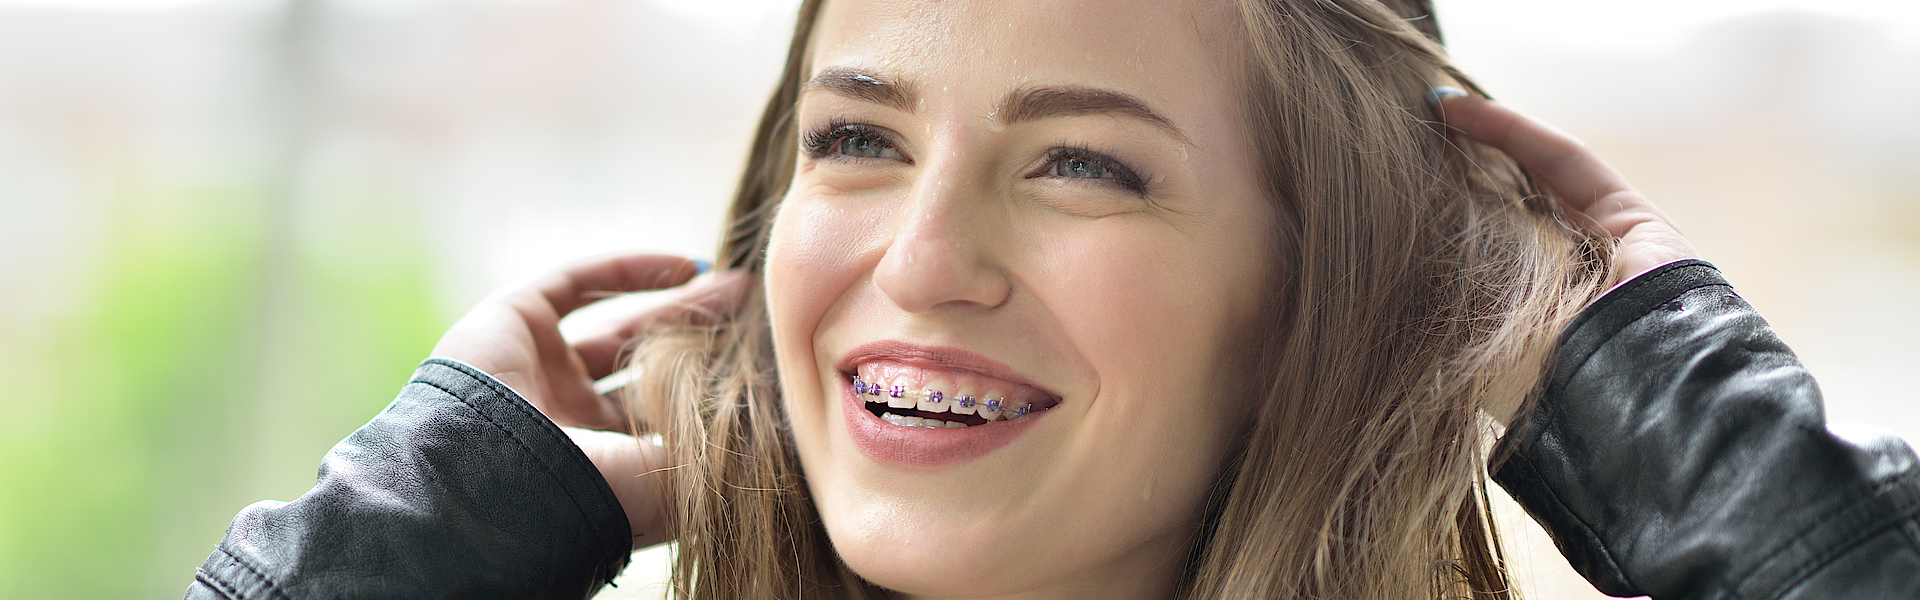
[(935, 357)]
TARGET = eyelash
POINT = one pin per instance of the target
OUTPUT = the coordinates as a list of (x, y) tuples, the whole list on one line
[(821, 143), (1123, 175), (824, 142)]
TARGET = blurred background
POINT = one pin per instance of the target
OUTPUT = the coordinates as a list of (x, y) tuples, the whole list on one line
[(230, 228)]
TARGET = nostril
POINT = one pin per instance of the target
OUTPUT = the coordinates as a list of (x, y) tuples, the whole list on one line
[(932, 261)]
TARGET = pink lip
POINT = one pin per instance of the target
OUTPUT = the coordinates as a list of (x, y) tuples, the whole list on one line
[(909, 446)]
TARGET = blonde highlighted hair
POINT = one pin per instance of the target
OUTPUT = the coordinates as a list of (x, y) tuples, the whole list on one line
[(1419, 279)]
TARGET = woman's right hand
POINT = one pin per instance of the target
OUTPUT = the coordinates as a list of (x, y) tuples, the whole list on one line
[(514, 335)]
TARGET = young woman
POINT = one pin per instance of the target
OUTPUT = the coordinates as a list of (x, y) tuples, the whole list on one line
[(1116, 300)]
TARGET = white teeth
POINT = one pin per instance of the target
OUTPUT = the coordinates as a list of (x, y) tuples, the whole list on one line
[(917, 422), (898, 396), (937, 398), (991, 406), (934, 398), (963, 402), (867, 393)]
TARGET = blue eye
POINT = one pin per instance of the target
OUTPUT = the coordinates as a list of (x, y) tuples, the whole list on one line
[(850, 140), (1079, 168), (1084, 164), (861, 146)]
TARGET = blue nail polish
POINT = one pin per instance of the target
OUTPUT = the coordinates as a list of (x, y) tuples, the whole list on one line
[(1434, 95), (701, 267)]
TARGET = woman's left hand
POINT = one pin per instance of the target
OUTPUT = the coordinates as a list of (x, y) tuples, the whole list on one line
[(1646, 237)]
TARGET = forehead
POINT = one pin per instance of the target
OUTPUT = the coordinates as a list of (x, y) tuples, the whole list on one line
[(1171, 52)]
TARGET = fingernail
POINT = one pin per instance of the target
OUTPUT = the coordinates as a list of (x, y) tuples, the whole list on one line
[(700, 267), (1436, 94)]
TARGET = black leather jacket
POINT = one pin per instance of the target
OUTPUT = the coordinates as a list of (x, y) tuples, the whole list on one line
[(1680, 452)]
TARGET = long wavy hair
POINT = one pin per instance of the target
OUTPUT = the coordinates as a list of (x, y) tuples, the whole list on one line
[(1426, 279)]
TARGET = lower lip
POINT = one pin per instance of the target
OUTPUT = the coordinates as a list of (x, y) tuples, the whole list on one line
[(916, 447)]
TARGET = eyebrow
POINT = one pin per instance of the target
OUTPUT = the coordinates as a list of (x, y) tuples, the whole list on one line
[(1032, 104), (1020, 105), (862, 85)]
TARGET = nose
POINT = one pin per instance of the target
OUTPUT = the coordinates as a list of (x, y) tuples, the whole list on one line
[(941, 254)]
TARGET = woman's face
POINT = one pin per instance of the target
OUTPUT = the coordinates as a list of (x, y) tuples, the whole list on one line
[(1047, 212)]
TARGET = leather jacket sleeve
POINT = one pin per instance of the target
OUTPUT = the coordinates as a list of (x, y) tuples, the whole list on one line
[(459, 489), (1681, 451)]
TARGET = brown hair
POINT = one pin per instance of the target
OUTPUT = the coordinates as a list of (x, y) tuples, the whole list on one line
[(1424, 278)]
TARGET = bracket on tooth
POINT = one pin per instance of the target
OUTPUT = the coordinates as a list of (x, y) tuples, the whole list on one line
[(898, 391), (966, 402), (935, 396)]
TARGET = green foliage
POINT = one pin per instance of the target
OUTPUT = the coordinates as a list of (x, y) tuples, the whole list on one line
[(216, 349)]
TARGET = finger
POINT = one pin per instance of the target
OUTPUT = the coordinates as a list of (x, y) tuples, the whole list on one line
[(1563, 163), (706, 303), (557, 378), (1645, 237), (586, 281)]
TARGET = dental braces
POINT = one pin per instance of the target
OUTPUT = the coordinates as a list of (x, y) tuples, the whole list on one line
[(992, 405)]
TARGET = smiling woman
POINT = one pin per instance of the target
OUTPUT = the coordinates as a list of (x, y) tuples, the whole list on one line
[(1117, 300), (1118, 276)]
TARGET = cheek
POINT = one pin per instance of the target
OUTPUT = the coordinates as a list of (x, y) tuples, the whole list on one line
[(813, 251), (812, 261), (1162, 319), (1157, 316)]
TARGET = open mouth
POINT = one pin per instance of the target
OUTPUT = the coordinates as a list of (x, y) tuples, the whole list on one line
[(909, 396)]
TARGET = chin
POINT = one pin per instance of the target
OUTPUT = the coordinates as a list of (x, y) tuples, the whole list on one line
[(936, 562)]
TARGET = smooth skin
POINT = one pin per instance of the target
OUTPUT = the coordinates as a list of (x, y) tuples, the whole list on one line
[(514, 334)]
